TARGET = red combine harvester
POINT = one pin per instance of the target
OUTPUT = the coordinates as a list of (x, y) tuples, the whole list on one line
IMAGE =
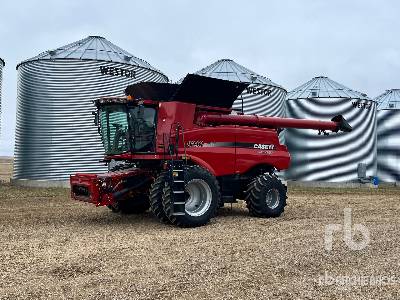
[(181, 151)]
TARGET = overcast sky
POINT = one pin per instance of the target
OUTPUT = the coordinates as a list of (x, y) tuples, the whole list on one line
[(353, 42)]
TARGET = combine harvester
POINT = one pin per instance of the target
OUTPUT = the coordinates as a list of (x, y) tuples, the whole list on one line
[(182, 151)]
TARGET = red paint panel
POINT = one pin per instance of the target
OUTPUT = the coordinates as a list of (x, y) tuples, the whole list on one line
[(221, 159), (247, 158)]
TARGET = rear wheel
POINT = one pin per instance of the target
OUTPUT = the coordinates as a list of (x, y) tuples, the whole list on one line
[(266, 196), (156, 194), (201, 199)]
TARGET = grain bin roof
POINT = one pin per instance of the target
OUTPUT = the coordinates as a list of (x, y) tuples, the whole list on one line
[(92, 48), (2, 62), (228, 69), (389, 99), (323, 87)]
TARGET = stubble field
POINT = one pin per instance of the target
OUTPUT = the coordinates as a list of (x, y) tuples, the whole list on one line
[(55, 248)]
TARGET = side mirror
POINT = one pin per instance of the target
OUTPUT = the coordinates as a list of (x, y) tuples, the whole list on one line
[(96, 121)]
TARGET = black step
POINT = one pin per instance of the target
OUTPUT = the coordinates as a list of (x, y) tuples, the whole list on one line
[(178, 187)]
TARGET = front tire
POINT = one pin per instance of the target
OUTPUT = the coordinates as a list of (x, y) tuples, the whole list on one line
[(202, 198), (156, 194), (266, 196)]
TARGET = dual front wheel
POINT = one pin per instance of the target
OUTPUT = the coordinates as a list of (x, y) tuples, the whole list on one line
[(201, 198)]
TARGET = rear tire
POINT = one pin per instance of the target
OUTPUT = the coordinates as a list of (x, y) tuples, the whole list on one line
[(202, 198), (266, 196), (156, 194)]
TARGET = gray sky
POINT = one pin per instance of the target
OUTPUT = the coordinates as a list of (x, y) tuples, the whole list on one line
[(353, 42)]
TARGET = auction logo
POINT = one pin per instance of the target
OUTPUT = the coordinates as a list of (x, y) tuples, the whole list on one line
[(349, 231)]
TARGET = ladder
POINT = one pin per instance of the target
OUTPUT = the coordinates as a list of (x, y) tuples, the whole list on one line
[(177, 182)]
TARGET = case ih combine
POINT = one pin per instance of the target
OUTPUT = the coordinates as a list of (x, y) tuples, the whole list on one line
[(183, 153)]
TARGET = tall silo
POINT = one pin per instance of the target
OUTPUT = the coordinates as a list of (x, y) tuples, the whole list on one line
[(262, 97), (332, 158), (388, 134), (55, 132)]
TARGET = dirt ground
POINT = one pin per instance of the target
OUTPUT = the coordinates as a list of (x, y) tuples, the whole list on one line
[(55, 248), (6, 165)]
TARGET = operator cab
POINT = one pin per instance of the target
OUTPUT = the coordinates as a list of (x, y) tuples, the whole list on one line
[(126, 126)]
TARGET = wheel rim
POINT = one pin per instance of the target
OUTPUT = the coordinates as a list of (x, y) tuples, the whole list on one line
[(199, 197), (272, 198)]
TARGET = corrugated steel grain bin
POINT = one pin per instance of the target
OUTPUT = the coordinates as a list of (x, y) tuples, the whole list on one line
[(55, 132), (388, 134), (332, 158)]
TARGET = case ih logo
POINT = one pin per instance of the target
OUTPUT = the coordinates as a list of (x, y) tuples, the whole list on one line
[(264, 146), (117, 72), (364, 105), (258, 91)]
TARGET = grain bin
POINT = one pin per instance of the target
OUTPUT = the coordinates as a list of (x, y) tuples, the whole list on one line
[(55, 132), (332, 158), (2, 64), (262, 97), (388, 135)]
